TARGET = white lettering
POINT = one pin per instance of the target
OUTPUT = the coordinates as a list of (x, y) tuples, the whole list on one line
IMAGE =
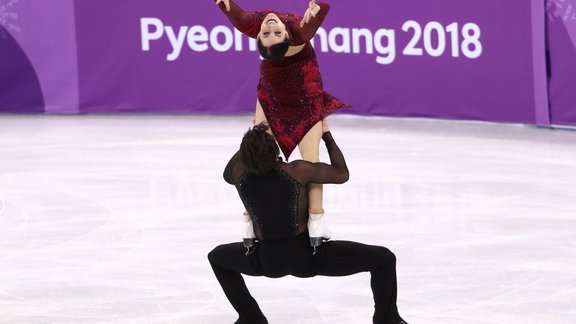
[(432, 28), (253, 45), (176, 41), (198, 38), (367, 34), (148, 35), (337, 40), (237, 40), (321, 33), (228, 38), (388, 50), (344, 34)]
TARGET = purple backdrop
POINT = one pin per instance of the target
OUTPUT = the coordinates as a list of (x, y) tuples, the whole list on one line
[(19, 83), (457, 59), (46, 33), (562, 53)]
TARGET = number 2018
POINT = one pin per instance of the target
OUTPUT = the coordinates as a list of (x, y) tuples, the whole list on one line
[(470, 45)]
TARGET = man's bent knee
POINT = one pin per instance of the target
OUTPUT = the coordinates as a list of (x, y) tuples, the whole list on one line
[(214, 255), (386, 256)]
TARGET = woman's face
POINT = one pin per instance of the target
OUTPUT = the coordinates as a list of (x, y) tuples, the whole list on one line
[(272, 30)]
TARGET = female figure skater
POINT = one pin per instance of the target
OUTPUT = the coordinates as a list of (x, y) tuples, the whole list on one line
[(291, 97), (274, 192)]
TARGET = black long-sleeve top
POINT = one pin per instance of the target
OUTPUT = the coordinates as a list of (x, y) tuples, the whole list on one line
[(278, 201)]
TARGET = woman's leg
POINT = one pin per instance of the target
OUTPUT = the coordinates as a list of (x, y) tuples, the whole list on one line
[(259, 116), (229, 262), (310, 151), (343, 258)]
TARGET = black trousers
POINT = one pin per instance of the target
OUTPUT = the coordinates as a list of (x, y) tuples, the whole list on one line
[(293, 256)]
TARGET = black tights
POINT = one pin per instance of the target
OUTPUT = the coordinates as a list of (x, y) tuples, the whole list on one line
[(294, 256)]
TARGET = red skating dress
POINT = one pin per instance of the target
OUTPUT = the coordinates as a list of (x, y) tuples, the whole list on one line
[(290, 90)]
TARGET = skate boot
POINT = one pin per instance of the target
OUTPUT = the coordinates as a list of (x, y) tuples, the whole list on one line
[(248, 236), (318, 230)]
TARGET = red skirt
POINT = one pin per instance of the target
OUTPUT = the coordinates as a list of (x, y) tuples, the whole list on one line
[(292, 97)]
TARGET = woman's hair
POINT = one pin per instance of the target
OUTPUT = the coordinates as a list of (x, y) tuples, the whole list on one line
[(274, 52), (259, 150)]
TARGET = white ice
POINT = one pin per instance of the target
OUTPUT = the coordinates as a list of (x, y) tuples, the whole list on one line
[(108, 219)]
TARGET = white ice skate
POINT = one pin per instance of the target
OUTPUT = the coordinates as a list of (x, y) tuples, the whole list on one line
[(318, 230), (248, 236)]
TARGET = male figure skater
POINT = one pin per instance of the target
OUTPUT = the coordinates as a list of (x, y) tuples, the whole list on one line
[(274, 193)]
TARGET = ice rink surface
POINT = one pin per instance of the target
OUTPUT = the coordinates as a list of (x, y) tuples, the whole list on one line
[(108, 219)]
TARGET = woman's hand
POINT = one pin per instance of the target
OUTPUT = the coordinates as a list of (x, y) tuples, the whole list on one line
[(226, 3), (310, 13)]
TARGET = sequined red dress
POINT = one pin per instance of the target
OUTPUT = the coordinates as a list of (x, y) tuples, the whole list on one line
[(290, 90)]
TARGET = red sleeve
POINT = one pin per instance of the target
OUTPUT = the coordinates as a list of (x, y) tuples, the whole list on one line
[(247, 23), (301, 35)]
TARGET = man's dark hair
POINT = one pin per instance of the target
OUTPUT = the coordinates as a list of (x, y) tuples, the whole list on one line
[(274, 52), (259, 150)]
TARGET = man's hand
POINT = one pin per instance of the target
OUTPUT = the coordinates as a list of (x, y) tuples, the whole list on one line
[(310, 13), (226, 3)]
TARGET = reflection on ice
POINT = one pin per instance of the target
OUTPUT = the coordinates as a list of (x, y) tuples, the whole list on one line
[(108, 219)]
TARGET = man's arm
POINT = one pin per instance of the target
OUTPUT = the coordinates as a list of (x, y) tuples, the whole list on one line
[(336, 172)]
